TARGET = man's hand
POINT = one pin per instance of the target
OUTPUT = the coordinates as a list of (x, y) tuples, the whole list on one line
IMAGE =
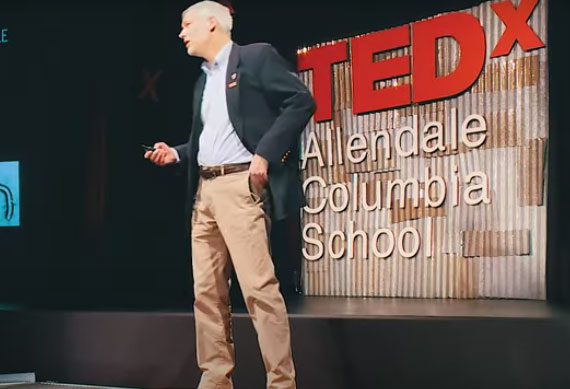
[(162, 155), (258, 170)]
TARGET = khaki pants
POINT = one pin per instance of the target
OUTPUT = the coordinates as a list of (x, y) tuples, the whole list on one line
[(229, 221)]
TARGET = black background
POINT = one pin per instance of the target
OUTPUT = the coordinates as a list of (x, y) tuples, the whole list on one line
[(101, 227)]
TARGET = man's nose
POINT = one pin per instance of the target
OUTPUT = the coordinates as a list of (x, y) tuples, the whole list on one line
[(180, 35)]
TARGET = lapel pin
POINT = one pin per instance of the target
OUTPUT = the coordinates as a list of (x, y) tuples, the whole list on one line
[(234, 76), (232, 84)]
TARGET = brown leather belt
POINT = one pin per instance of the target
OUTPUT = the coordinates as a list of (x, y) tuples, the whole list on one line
[(208, 172)]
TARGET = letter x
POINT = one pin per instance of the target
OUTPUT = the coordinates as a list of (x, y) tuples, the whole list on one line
[(516, 28), (150, 82)]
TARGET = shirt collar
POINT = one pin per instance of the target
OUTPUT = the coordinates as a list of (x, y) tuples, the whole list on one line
[(221, 59)]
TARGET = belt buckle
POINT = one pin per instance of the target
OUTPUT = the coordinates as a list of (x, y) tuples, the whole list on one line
[(215, 171), (209, 174)]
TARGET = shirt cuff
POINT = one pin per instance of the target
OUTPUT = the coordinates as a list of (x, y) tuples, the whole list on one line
[(175, 154)]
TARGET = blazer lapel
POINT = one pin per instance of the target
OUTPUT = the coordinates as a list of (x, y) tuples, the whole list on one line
[(197, 100), (197, 125), (232, 90)]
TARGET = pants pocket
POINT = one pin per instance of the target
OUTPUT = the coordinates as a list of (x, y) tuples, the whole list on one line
[(255, 193)]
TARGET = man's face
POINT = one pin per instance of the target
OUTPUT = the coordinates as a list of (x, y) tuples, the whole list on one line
[(195, 33)]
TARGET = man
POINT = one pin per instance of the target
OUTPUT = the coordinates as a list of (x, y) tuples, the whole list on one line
[(249, 110)]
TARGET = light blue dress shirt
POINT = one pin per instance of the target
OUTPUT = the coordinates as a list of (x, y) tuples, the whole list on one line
[(219, 143)]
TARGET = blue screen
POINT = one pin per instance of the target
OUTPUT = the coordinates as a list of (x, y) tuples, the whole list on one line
[(9, 194)]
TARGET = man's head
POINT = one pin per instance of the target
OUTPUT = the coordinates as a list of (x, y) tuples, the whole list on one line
[(206, 27)]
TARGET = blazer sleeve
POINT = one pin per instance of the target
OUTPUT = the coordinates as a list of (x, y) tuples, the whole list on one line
[(183, 151), (296, 105)]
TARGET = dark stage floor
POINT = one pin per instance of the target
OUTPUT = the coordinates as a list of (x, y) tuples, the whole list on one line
[(358, 307), (352, 307), (338, 343)]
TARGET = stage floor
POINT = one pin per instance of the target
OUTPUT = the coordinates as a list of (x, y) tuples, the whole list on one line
[(338, 343), (354, 307)]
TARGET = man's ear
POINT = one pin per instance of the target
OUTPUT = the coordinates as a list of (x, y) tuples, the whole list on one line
[(212, 23)]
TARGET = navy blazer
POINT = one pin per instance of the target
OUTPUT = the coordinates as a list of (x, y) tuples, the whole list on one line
[(269, 107)]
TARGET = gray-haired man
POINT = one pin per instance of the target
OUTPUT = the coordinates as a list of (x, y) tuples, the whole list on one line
[(249, 110)]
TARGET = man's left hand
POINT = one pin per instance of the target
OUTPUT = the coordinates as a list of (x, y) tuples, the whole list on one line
[(258, 170)]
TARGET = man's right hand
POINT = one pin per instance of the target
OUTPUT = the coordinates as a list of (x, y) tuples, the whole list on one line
[(162, 155)]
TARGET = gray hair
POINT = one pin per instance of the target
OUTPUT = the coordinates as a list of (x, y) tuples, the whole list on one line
[(216, 10)]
